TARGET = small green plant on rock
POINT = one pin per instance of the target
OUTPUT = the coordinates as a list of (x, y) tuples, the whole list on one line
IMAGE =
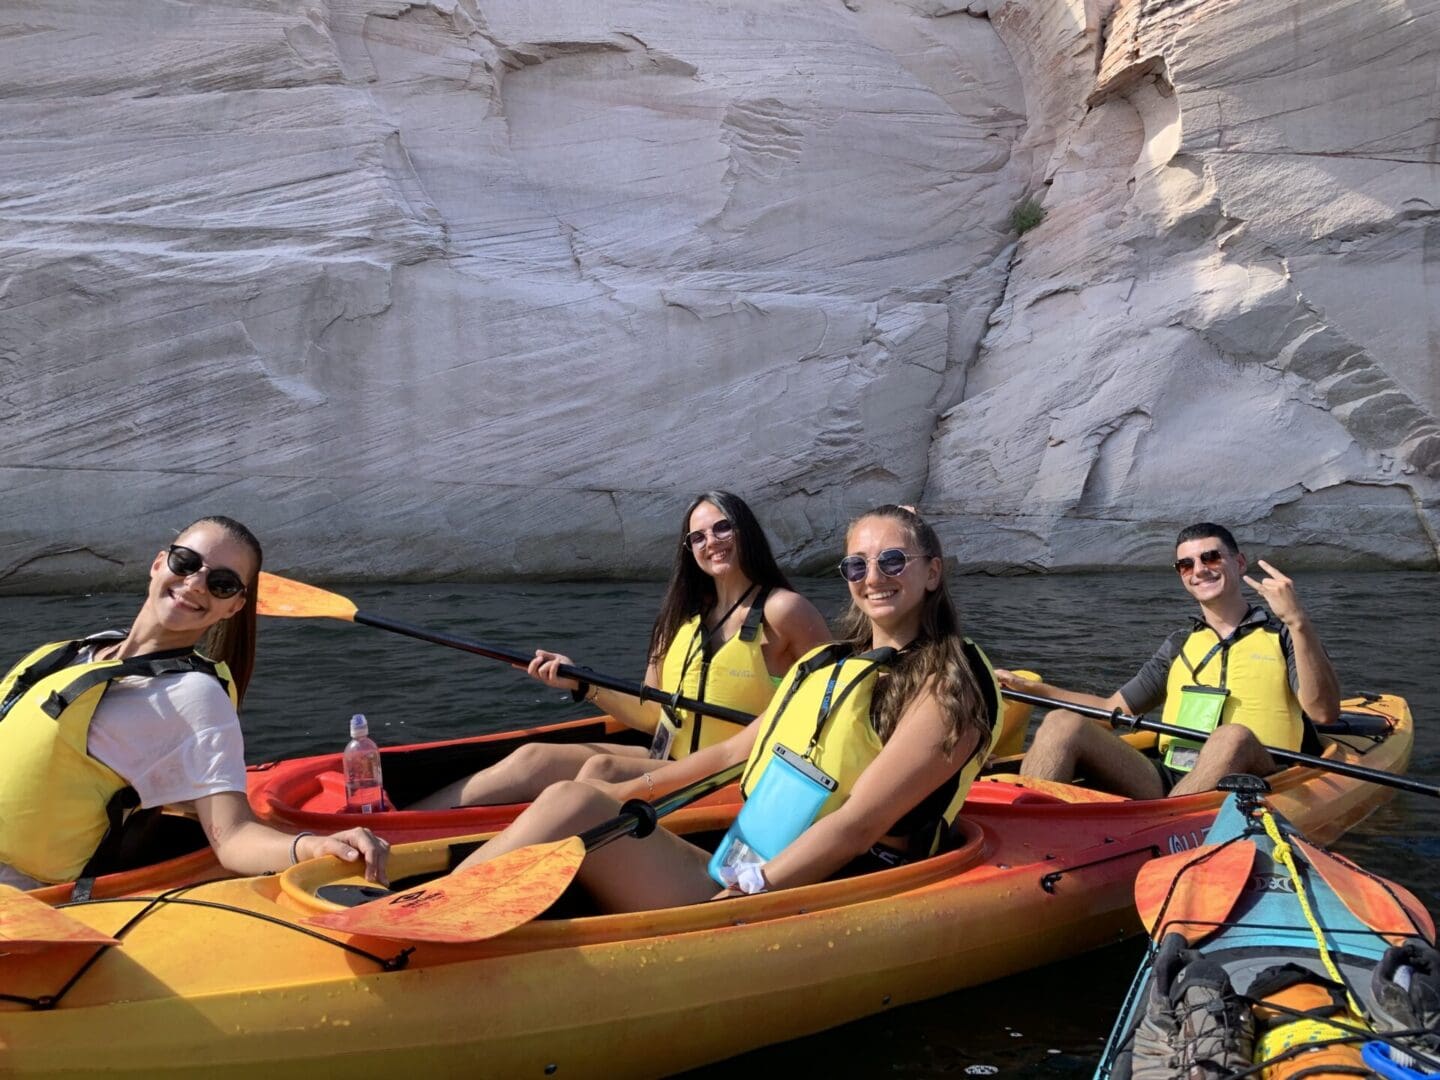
[(1026, 216)]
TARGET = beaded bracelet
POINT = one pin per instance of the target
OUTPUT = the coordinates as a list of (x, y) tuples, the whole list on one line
[(295, 846)]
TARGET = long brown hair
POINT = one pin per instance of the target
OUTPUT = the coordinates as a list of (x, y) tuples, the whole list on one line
[(691, 591), (935, 659), (232, 640)]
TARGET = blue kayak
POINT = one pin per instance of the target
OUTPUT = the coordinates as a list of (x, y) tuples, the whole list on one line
[(1273, 958)]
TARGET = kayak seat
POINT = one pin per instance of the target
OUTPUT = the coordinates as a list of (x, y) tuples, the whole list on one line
[(331, 799)]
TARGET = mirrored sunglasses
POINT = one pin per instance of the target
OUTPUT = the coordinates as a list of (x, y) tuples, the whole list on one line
[(721, 530), (891, 561), (219, 582), (1207, 558)]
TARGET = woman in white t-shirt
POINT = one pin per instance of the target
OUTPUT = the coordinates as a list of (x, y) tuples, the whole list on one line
[(174, 737)]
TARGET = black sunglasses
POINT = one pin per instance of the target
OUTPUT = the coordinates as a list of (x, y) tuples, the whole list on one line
[(1207, 558), (721, 530), (219, 582), (891, 561)]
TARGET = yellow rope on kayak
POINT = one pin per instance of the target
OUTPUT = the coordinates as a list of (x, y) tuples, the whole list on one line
[(1277, 1049), (1284, 854)]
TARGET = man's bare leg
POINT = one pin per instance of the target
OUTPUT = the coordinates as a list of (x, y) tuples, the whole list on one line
[(1068, 745), (1230, 748)]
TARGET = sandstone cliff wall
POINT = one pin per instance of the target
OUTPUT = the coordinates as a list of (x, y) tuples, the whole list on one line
[(1229, 311), (489, 287)]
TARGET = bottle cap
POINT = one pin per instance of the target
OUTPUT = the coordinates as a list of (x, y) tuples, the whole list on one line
[(359, 726)]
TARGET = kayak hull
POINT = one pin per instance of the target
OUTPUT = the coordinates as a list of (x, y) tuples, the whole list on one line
[(1040, 873)]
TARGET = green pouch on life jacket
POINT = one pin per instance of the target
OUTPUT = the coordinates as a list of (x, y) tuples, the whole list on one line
[(1200, 710), (782, 805)]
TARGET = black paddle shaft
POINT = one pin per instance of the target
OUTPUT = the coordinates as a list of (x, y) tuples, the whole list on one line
[(510, 656), (1119, 718), (637, 817)]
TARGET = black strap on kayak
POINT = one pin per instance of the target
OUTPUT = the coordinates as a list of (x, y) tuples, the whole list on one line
[(175, 897)]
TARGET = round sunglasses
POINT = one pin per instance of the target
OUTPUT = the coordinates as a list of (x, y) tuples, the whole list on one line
[(219, 582), (721, 530), (891, 561)]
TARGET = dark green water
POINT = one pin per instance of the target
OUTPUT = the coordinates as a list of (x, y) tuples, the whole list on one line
[(1086, 631)]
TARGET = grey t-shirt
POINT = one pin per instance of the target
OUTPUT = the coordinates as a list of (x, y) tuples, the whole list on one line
[(1145, 692)]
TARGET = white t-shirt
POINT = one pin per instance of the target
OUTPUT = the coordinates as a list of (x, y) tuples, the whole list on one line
[(174, 738)]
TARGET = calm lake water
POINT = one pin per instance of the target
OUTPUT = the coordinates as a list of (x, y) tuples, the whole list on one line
[(1086, 631)]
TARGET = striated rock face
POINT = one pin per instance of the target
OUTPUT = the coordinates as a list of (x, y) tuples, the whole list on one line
[(1229, 312), (491, 287), (483, 287)]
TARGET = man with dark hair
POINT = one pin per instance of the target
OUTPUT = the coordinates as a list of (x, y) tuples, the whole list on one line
[(1248, 675)]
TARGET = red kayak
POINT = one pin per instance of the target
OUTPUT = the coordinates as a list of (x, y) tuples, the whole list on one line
[(309, 793)]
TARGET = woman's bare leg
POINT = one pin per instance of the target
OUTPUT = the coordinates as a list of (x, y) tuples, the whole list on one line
[(523, 775), (615, 768), (625, 875)]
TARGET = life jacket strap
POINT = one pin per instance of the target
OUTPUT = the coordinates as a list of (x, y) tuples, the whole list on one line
[(46, 665), (754, 617), (124, 821), (174, 662)]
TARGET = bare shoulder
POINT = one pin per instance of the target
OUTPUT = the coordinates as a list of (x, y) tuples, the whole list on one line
[(924, 706), (792, 616)]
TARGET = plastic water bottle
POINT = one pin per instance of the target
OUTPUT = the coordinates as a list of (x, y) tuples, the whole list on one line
[(364, 789)]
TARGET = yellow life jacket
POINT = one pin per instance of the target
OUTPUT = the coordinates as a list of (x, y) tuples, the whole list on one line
[(734, 676), (823, 713), (59, 807), (1250, 663)]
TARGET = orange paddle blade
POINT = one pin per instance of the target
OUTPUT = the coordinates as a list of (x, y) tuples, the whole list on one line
[(1203, 892), (1396, 916), (29, 925), (473, 904), (296, 600)]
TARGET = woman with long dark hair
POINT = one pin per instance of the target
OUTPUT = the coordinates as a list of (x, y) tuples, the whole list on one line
[(887, 727), (728, 626), (95, 728)]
